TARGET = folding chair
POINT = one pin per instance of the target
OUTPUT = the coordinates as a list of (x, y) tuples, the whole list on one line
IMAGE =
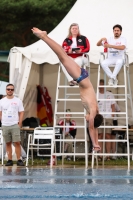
[(1, 145), (39, 134)]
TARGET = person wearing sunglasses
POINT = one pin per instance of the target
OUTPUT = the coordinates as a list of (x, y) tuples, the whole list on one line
[(80, 75), (11, 115)]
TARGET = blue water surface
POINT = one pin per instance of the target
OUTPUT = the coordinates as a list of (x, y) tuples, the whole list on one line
[(65, 183)]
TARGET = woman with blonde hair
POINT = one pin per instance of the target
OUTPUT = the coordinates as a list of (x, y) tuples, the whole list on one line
[(75, 45)]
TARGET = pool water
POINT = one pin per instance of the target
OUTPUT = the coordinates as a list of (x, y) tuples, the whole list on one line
[(65, 183)]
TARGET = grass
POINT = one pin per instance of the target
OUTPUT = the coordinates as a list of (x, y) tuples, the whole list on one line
[(42, 161)]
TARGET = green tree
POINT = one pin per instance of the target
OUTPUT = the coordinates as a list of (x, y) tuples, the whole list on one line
[(4, 71), (19, 16)]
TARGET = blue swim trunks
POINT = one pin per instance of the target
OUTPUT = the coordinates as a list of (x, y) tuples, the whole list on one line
[(84, 74)]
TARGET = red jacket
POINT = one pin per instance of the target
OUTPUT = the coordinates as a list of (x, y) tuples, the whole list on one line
[(82, 43), (72, 130)]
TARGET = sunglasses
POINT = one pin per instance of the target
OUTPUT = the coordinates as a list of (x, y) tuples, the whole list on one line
[(9, 89)]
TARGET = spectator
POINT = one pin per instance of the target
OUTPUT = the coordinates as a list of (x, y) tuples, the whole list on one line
[(23, 153), (75, 45), (70, 132), (106, 106), (11, 115), (116, 46)]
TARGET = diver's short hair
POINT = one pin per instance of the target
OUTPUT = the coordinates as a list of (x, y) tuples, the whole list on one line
[(98, 120)]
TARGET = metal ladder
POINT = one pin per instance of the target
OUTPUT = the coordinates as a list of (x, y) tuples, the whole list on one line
[(121, 115), (69, 97)]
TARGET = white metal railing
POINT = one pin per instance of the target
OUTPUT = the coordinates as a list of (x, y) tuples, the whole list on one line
[(80, 115), (126, 86)]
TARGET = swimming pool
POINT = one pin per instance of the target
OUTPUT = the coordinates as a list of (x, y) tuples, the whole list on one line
[(65, 183)]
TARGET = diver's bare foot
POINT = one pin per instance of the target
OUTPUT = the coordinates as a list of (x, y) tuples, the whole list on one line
[(40, 34), (96, 148)]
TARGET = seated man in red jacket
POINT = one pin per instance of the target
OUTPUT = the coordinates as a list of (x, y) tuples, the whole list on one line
[(69, 132)]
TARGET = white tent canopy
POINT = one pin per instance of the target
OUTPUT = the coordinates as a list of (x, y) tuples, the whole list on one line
[(96, 19)]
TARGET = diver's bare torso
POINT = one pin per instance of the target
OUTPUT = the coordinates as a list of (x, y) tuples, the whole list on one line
[(88, 98)]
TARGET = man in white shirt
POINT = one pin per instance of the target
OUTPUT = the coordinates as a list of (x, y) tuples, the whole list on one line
[(116, 47), (107, 107), (11, 115)]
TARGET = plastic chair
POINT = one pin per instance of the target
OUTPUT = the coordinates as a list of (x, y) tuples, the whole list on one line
[(45, 133)]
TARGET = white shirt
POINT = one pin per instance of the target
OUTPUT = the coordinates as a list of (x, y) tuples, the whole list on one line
[(105, 106), (10, 110), (67, 128), (74, 44), (117, 42), (117, 109)]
